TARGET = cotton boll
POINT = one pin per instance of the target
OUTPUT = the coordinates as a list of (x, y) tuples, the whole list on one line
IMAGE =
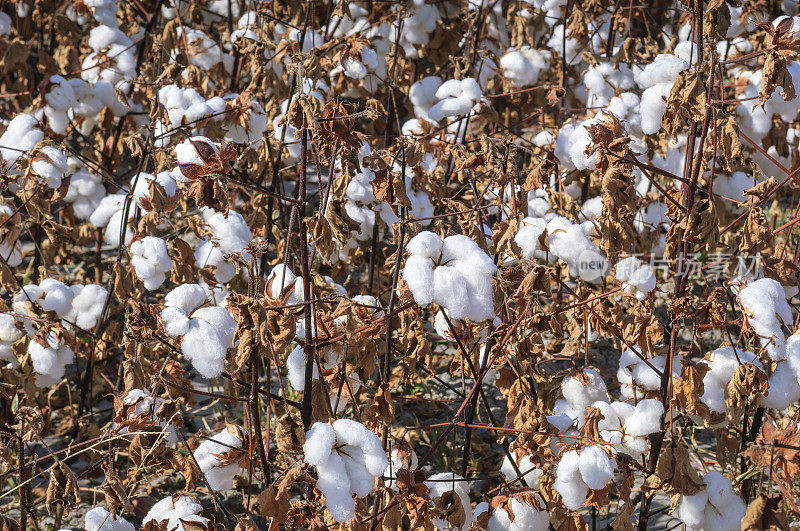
[(422, 95), (85, 191), (50, 361), (453, 272), (348, 457), (87, 305), (50, 164), (652, 107), (691, 510), (151, 261), (20, 136), (205, 348), (582, 394), (645, 419), (187, 297), (527, 517), (569, 482), (444, 482), (209, 456), (56, 297), (784, 389), (98, 519), (723, 362), (9, 334), (530, 474), (175, 510), (597, 469), (764, 304), (637, 278), (522, 67)]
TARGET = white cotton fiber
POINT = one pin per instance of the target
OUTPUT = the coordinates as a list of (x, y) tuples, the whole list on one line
[(151, 261), (596, 468), (454, 273), (99, 519), (348, 457)]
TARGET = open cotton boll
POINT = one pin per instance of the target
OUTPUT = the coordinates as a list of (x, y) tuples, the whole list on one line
[(49, 361), (56, 297), (145, 404), (210, 455), (281, 280), (784, 389), (596, 468), (763, 302), (99, 519), (645, 418), (20, 136), (422, 95), (530, 474), (444, 482), (569, 481), (637, 278), (399, 459), (723, 363), (652, 107), (691, 510), (187, 297), (50, 164), (9, 334), (87, 305), (522, 66), (664, 69), (636, 376), (85, 190), (151, 261), (348, 457), (585, 388), (173, 511), (717, 507), (527, 516), (456, 98), (454, 273)]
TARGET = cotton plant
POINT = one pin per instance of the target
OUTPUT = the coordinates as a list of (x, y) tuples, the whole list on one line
[(347, 458), (580, 391), (212, 457), (454, 273), (206, 332), (716, 507), (180, 513)]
